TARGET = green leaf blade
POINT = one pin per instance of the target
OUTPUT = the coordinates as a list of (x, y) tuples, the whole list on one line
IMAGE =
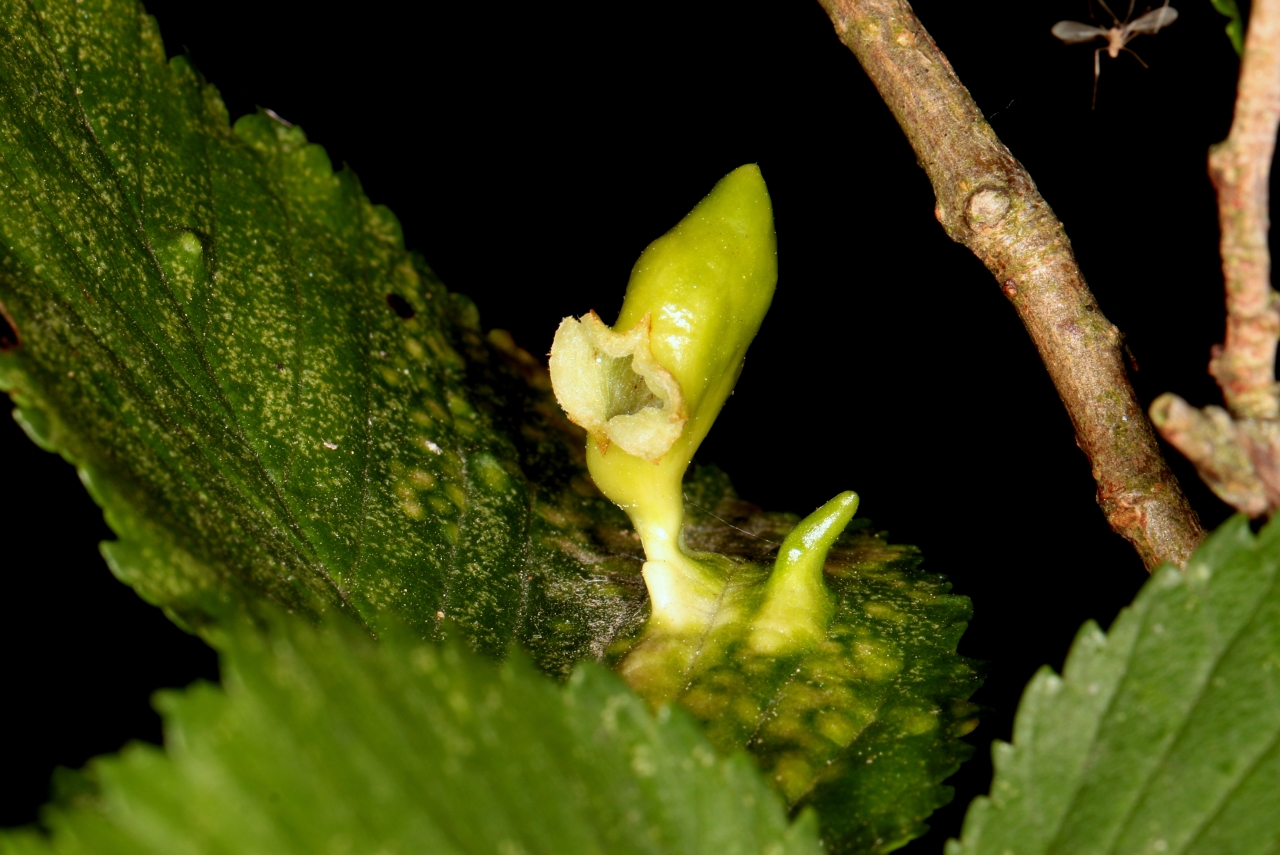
[(325, 739), (212, 332), (1161, 736)]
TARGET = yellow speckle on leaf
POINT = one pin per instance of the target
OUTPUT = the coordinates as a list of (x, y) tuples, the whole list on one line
[(876, 660), (792, 775), (450, 532), (837, 727), (884, 611)]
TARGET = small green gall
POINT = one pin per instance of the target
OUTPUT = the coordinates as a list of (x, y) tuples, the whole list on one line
[(797, 607)]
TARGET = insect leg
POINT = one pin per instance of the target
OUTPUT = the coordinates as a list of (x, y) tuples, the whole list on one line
[(1135, 56), (1097, 70)]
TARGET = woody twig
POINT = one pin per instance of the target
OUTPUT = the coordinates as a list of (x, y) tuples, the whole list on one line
[(1237, 451), (988, 202)]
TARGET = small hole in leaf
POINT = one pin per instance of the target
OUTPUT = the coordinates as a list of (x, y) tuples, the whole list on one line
[(9, 338), (400, 306)]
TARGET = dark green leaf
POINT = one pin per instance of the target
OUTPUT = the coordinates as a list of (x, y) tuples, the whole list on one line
[(1163, 735), (866, 727), (324, 741), (266, 393)]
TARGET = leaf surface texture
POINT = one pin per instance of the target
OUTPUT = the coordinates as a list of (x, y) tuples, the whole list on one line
[(866, 726), (1162, 735), (266, 393), (324, 741)]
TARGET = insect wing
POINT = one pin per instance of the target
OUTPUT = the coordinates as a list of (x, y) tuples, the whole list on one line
[(1153, 21), (1074, 32)]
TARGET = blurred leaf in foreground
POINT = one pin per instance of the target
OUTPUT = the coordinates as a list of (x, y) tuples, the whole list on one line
[(1162, 735), (325, 741)]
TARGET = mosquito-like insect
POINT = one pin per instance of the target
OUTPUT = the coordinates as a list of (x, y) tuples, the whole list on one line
[(1118, 36)]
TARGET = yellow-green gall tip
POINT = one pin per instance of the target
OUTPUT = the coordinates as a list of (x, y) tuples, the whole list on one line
[(707, 285), (797, 606), (695, 300), (819, 530)]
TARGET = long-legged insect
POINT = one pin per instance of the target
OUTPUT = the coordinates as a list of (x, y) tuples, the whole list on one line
[(1118, 36)]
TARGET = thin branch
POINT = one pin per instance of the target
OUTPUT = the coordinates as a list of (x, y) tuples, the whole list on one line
[(1211, 440), (988, 202), (1238, 455), (1241, 168)]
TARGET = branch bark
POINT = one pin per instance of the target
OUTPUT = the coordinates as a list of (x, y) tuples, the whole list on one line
[(1238, 455), (988, 202), (1240, 167)]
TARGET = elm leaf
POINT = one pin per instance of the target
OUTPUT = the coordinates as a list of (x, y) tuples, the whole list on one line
[(268, 395), (326, 741), (1161, 735)]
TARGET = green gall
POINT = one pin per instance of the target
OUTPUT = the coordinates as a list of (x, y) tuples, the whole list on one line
[(648, 389), (797, 607)]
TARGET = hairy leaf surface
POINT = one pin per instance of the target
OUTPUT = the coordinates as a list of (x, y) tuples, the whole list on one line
[(324, 741), (1162, 735), (267, 394)]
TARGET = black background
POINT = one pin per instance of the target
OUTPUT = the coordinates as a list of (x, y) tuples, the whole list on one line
[(531, 151)]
